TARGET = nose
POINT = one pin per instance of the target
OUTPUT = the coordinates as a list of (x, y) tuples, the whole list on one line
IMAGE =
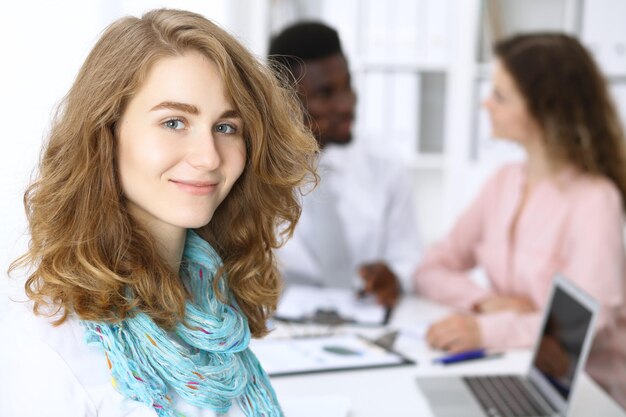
[(203, 152), (487, 101)]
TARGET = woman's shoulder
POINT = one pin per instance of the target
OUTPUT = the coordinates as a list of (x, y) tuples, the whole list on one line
[(40, 332), (595, 192), (50, 369), (34, 370)]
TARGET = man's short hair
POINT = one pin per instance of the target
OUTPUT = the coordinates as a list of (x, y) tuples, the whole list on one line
[(302, 42)]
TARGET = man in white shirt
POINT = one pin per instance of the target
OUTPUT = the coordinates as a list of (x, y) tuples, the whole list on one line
[(360, 221)]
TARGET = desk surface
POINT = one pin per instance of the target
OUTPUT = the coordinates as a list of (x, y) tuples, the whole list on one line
[(394, 392)]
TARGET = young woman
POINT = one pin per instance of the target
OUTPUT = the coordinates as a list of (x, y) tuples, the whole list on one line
[(562, 210), (172, 162)]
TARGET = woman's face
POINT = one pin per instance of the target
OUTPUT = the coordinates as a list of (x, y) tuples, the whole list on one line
[(507, 108), (180, 145)]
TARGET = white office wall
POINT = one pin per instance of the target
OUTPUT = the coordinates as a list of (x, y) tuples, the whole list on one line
[(42, 48)]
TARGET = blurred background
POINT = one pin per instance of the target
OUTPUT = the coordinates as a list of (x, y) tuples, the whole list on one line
[(420, 68)]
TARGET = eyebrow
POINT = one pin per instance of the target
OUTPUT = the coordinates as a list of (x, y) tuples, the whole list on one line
[(191, 109), (230, 114), (173, 105)]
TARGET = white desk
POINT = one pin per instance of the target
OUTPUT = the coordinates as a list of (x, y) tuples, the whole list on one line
[(394, 392)]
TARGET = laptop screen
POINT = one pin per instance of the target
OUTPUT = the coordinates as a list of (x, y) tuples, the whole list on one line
[(562, 342)]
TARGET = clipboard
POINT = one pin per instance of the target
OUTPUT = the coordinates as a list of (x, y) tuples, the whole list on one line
[(317, 354)]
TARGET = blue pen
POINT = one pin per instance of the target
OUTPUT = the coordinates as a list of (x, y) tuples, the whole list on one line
[(466, 356)]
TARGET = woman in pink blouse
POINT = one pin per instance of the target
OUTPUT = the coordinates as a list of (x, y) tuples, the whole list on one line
[(562, 210)]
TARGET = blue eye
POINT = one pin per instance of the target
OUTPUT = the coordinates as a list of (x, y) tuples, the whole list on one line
[(174, 124), (225, 128)]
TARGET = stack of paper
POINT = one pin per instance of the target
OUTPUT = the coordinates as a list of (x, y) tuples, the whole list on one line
[(304, 303)]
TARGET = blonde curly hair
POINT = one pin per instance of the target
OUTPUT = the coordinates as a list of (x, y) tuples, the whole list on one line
[(86, 251)]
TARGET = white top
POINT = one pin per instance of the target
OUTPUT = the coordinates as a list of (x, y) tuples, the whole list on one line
[(375, 203), (50, 371)]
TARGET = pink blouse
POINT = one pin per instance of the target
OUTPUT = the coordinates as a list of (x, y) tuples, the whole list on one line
[(572, 224)]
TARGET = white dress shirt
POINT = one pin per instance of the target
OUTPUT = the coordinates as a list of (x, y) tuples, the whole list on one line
[(375, 204), (50, 371)]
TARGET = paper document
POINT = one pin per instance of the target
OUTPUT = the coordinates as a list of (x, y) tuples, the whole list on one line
[(313, 304), (320, 354)]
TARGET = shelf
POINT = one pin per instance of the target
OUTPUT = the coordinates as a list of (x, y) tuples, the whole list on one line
[(391, 65)]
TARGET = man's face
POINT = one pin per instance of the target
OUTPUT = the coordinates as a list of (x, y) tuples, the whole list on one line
[(327, 94)]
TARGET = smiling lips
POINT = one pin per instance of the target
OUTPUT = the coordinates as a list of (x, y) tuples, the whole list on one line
[(201, 188)]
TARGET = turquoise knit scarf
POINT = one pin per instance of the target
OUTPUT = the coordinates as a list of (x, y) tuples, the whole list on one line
[(206, 362)]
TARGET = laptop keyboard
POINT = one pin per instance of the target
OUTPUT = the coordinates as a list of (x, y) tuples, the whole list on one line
[(505, 396)]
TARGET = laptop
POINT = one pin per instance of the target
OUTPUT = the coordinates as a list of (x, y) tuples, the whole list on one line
[(547, 388)]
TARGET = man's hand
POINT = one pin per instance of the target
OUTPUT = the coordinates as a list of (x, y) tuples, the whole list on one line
[(455, 333), (382, 282), (497, 303)]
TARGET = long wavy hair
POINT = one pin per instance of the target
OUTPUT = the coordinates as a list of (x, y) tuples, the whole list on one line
[(568, 96), (87, 254)]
